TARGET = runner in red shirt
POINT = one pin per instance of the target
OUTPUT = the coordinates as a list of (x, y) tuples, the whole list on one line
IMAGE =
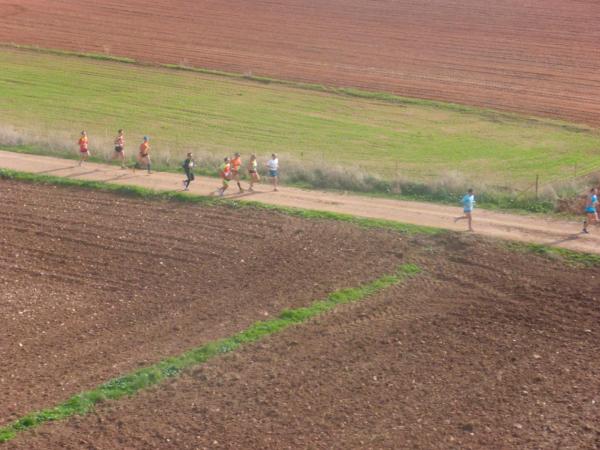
[(236, 163), (84, 152)]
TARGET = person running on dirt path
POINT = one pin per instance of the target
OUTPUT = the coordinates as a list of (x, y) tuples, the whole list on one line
[(225, 174), (591, 209), (468, 202), (143, 158), (84, 152), (188, 167), (253, 172), (273, 166), (236, 163), (119, 152)]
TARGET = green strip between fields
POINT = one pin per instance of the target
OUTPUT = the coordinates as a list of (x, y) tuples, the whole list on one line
[(147, 193), (134, 382), (342, 91)]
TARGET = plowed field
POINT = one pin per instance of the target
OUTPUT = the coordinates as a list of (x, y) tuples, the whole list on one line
[(538, 57), (94, 285), (486, 349)]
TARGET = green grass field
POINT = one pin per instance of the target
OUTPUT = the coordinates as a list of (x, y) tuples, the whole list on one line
[(51, 94)]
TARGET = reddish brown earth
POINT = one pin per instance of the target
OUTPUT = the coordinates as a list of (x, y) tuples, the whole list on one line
[(486, 349), (93, 285), (538, 57)]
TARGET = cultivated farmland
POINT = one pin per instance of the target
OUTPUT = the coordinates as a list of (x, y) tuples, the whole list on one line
[(484, 345), (538, 57), (137, 319)]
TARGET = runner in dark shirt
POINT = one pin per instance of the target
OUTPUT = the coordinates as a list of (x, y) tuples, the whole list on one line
[(188, 167)]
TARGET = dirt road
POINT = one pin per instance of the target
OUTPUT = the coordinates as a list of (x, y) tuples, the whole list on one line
[(528, 228)]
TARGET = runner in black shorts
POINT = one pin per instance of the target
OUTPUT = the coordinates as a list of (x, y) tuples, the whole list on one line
[(120, 148), (188, 167)]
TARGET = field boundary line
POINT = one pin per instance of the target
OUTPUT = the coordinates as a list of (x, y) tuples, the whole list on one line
[(130, 384)]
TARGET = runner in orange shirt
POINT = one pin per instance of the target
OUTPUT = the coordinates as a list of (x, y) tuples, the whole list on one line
[(143, 157), (236, 163), (84, 153)]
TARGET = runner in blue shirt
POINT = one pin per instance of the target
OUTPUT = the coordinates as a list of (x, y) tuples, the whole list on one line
[(591, 209), (468, 202)]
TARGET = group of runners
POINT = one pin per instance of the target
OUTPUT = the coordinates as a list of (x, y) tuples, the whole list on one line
[(142, 159), (231, 168)]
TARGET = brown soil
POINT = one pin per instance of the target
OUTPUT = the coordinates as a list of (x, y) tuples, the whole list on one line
[(538, 57), (94, 285), (486, 349)]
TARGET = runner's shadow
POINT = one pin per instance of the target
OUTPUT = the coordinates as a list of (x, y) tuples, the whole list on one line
[(123, 176), (571, 237), (244, 194), (58, 169), (81, 174)]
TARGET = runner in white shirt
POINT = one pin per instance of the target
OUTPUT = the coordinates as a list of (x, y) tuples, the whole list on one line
[(273, 165)]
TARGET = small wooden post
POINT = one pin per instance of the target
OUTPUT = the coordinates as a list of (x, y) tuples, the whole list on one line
[(537, 186)]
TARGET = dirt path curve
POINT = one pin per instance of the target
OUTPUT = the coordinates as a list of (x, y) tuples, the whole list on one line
[(528, 228)]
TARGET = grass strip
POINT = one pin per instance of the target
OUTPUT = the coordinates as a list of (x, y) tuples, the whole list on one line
[(385, 97), (130, 384), (571, 257), (151, 194), (341, 91)]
